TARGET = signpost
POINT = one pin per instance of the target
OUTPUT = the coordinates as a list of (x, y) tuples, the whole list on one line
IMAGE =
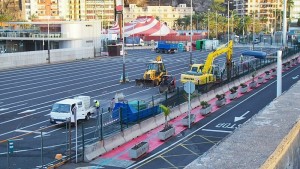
[(189, 87), (10, 146), (10, 150)]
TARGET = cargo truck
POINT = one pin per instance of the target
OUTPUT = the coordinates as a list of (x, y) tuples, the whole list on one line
[(70, 109), (164, 47)]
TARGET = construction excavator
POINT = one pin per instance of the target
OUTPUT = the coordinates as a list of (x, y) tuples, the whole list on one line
[(208, 74), (154, 73)]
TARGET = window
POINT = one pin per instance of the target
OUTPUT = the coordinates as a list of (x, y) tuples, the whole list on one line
[(61, 108), (79, 104)]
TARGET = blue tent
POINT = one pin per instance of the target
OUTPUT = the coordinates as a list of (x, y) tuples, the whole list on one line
[(256, 54)]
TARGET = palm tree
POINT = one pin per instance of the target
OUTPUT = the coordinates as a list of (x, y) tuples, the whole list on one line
[(197, 18), (186, 21), (289, 4), (166, 111), (217, 6)]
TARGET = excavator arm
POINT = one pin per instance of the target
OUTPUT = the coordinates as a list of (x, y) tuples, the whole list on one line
[(226, 48)]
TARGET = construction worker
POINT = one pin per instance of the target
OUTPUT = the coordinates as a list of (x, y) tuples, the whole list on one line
[(241, 58), (97, 105)]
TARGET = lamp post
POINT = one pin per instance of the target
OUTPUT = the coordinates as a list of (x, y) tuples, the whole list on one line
[(191, 25), (48, 41), (253, 27), (159, 21), (101, 44), (123, 41), (216, 24), (208, 23), (228, 20), (243, 22), (284, 26)]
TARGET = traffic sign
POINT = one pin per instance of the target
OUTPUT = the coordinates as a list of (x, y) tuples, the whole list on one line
[(189, 87), (10, 146)]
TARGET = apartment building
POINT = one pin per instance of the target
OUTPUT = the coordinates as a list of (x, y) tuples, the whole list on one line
[(166, 14), (268, 10), (98, 10), (69, 10), (295, 11)]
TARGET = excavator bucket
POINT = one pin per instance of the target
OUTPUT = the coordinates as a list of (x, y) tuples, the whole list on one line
[(144, 82)]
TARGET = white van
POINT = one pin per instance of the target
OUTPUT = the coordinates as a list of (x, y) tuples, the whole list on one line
[(63, 110)]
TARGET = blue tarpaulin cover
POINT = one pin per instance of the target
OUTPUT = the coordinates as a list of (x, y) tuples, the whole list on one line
[(256, 54), (130, 114)]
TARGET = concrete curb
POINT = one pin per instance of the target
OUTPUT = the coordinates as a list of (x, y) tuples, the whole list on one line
[(132, 132), (148, 125), (93, 150), (159, 119), (114, 141)]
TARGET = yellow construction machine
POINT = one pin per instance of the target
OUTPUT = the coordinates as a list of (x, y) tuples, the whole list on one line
[(208, 74), (154, 73)]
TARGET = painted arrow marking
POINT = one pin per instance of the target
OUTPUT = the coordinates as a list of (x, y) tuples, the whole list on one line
[(241, 117), (295, 77), (27, 111)]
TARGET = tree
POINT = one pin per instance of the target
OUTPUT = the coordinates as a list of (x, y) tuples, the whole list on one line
[(217, 6), (140, 3), (298, 22), (289, 5), (166, 111), (9, 11)]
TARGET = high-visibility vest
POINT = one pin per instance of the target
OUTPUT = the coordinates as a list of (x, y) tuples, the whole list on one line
[(97, 104)]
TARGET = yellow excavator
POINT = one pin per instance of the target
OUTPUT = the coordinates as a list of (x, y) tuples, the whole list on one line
[(154, 73), (209, 74)]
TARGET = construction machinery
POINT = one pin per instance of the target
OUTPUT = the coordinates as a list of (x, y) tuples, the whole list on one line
[(209, 74), (154, 73), (167, 84)]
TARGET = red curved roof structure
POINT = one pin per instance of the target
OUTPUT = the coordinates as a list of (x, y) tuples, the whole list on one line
[(144, 26)]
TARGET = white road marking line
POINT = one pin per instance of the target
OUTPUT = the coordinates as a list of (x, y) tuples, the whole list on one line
[(220, 131), (3, 109), (24, 127), (46, 133), (27, 111), (28, 131), (14, 107)]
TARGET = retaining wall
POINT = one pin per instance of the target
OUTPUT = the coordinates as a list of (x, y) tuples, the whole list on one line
[(21, 59)]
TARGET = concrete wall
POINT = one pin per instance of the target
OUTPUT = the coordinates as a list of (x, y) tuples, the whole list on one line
[(21, 59), (287, 153)]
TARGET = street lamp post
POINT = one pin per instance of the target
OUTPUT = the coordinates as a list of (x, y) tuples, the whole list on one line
[(243, 22), (284, 26), (123, 41), (216, 24), (253, 37), (48, 41), (228, 20), (191, 25), (208, 23), (159, 21)]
